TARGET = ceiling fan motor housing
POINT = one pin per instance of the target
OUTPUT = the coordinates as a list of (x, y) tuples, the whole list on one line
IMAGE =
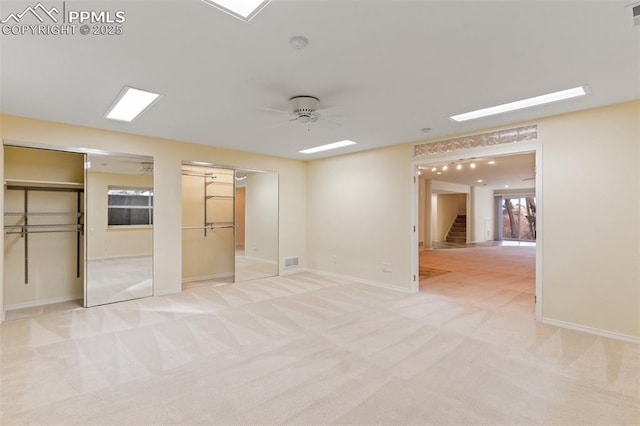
[(304, 107)]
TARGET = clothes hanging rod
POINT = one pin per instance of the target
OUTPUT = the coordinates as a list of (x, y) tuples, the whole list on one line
[(77, 214), (210, 227), (43, 225), (204, 174), (43, 188), (197, 174), (43, 232)]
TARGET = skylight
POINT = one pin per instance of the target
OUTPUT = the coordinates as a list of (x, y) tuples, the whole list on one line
[(130, 103), (327, 147), (524, 103), (241, 9)]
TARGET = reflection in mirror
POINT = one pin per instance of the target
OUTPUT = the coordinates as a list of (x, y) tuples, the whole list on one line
[(207, 225), (119, 228), (256, 224)]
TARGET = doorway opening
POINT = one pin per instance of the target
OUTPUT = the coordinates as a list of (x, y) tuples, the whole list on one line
[(498, 199)]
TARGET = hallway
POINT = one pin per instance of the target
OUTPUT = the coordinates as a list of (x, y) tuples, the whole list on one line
[(499, 278)]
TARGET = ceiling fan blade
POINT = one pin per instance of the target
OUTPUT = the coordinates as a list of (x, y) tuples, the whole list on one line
[(280, 124), (275, 110), (328, 124), (332, 111)]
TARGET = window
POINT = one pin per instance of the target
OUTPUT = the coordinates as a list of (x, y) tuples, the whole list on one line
[(130, 206)]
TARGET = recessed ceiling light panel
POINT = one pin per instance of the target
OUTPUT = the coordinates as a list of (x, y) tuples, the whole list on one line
[(130, 103), (524, 103), (244, 10), (327, 147)]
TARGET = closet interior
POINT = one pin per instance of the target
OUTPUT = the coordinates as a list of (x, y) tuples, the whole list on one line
[(78, 230), (229, 224), (43, 225)]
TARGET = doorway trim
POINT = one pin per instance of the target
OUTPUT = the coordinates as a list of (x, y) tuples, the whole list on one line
[(514, 148)]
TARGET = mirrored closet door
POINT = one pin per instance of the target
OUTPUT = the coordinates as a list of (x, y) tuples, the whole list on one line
[(207, 224), (256, 254), (229, 224), (119, 228)]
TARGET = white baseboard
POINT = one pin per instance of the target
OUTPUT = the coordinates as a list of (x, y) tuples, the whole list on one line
[(166, 292), (43, 302), (591, 330), (207, 277), (361, 281), (292, 271)]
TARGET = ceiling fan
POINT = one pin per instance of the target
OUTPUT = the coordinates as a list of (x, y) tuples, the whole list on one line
[(304, 110)]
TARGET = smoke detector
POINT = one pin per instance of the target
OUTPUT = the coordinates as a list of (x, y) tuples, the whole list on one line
[(298, 42)]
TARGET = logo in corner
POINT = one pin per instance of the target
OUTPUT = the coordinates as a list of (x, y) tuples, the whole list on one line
[(38, 11)]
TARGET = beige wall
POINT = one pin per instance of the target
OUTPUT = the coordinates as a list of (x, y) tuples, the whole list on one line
[(591, 222), (41, 165), (104, 242), (449, 207), (168, 156), (482, 214), (358, 212)]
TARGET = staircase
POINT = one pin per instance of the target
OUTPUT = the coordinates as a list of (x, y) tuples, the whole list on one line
[(458, 232)]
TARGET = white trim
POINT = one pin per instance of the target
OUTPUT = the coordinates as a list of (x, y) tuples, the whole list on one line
[(293, 270), (487, 151), (414, 225), (591, 330), (43, 302), (539, 231), (165, 292), (360, 280), (207, 277)]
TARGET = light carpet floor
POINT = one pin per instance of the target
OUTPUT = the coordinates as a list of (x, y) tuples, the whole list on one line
[(306, 349)]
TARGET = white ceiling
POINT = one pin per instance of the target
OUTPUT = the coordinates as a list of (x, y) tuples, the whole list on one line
[(394, 66), (120, 164), (515, 171)]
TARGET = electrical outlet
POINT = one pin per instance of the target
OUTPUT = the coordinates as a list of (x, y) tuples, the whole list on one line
[(334, 258), (387, 267)]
